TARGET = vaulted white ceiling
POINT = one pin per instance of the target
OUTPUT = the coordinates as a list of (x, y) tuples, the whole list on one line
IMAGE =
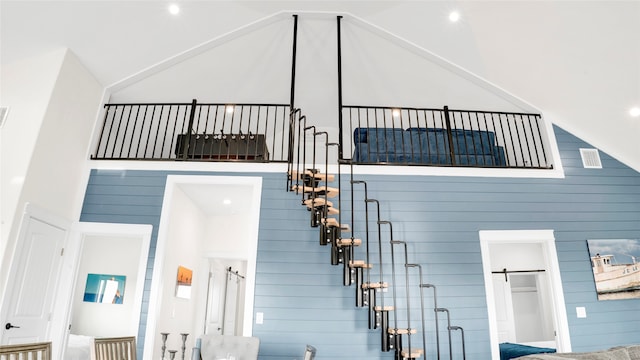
[(577, 61)]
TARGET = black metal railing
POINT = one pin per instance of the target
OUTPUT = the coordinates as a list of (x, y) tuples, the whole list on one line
[(194, 131), (443, 137)]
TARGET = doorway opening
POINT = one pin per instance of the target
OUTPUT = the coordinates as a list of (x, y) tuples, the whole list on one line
[(225, 297), (525, 302), (204, 219), (115, 250)]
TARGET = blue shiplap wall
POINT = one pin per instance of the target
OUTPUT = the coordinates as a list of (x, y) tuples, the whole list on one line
[(301, 294)]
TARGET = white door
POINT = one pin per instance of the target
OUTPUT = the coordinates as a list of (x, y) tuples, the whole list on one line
[(215, 302), (27, 305), (504, 309), (230, 304)]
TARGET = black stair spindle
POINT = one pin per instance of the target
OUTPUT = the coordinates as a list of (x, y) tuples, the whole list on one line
[(365, 292), (407, 291), (446, 311), (393, 271), (435, 310), (422, 315)]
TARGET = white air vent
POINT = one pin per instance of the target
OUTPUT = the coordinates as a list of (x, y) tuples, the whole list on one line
[(4, 111), (590, 159)]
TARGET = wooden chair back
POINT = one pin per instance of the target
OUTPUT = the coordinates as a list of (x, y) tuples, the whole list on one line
[(115, 348), (32, 351)]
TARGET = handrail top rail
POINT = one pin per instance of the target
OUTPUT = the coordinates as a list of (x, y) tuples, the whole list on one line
[(191, 103), (377, 107)]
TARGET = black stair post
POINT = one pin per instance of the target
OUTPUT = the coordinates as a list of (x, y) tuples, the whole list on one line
[(386, 338), (336, 251), (357, 277), (374, 315), (347, 273)]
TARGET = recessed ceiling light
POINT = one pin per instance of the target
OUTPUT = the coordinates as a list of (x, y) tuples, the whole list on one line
[(395, 113), (174, 9), (454, 16), (230, 109), (634, 111), (226, 201)]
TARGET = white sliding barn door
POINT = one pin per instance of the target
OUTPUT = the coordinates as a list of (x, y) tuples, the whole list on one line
[(231, 305), (223, 301), (504, 309), (215, 302)]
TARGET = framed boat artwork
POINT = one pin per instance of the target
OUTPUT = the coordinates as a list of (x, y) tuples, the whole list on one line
[(616, 268)]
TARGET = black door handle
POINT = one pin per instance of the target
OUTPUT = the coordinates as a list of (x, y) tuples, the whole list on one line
[(9, 326)]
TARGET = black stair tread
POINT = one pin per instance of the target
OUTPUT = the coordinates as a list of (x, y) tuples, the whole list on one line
[(317, 202), (300, 175), (402, 331), (330, 191), (359, 263), (331, 222), (415, 353), (375, 285), (348, 242), (330, 210)]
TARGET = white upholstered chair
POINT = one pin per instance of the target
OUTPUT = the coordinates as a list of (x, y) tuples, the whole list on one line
[(229, 347)]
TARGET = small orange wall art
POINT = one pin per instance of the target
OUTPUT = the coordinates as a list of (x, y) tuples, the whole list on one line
[(183, 283)]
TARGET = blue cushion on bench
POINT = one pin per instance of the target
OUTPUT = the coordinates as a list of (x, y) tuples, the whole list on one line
[(510, 351), (379, 144), (427, 146)]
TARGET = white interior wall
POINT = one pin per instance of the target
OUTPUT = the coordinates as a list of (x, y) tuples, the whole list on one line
[(228, 235), (107, 255), (256, 67), (517, 256), (248, 68), (54, 101), (26, 88), (387, 70), (186, 234)]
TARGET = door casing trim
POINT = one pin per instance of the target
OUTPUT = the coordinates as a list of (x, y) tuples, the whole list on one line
[(547, 239)]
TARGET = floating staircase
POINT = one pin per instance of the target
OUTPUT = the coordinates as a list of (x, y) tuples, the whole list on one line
[(365, 269)]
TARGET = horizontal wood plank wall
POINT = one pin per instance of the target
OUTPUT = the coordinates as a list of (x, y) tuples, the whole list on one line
[(301, 294)]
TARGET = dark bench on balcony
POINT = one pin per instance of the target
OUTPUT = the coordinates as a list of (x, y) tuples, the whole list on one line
[(428, 146), (222, 147)]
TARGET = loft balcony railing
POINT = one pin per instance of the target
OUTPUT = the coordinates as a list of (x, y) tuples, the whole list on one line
[(443, 137), (195, 132), (369, 135)]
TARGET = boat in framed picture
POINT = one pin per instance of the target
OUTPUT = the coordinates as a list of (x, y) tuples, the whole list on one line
[(615, 268)]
